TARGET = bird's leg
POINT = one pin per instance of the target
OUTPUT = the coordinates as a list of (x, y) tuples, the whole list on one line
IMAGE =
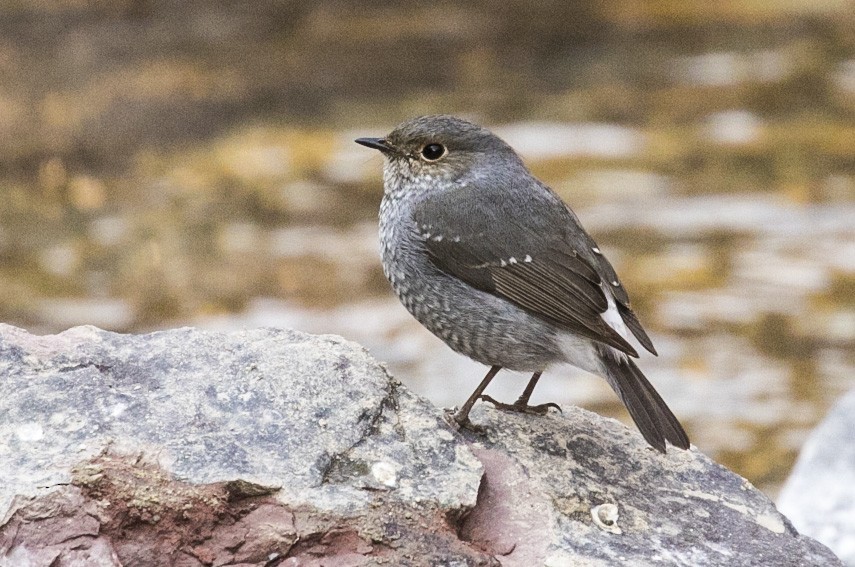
[(521, 405), (462, 415)]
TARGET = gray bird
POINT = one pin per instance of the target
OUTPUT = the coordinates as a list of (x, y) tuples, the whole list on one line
[(495, 264)]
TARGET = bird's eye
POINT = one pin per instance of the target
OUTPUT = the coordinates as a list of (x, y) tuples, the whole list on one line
[(433, 152)]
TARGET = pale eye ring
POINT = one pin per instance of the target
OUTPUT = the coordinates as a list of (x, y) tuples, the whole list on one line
[(433, 152)]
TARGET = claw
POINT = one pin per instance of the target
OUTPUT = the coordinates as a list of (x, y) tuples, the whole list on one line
[(463, 422), (522, 407)]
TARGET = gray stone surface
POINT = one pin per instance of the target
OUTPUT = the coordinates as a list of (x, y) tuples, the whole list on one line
[(273, 447), (819, 495), (271, 407)]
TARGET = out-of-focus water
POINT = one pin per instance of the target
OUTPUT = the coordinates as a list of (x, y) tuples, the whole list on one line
[(164, 165)]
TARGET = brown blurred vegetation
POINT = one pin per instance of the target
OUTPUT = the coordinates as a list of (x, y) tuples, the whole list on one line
[(93, 83)]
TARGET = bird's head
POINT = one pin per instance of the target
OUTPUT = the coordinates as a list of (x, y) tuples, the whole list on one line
[(440, 152)]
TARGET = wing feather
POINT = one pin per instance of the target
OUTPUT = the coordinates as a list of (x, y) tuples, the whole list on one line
[(555, 296)]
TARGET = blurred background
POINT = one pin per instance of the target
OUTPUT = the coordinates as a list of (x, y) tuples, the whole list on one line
[(167, 163)]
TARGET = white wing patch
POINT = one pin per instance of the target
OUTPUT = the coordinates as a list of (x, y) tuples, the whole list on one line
[(612, 315)]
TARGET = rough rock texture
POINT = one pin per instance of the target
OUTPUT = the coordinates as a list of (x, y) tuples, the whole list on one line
[(819, 496), (272, 447)]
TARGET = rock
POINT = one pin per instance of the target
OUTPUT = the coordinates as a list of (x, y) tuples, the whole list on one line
[(819, 495), (272, 447)]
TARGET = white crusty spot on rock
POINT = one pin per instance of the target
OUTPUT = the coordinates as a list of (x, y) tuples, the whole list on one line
[(771, 523), (437, 238), (702, 495), (445, 435), (118, 409), (502, 263), (512, 260), (384, 473), (596, 250), (615, 283), (456, 239), (605, 516), (527, 258), (31, 431), (741, 508)]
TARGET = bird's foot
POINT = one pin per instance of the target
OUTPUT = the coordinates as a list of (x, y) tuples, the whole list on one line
[(461, 421), (521, 406)]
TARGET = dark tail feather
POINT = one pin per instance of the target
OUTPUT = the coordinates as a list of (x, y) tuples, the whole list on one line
[(634, 325), (647, 408)]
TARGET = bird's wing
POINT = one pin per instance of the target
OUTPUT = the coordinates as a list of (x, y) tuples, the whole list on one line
[(519, 250), (582, 241)]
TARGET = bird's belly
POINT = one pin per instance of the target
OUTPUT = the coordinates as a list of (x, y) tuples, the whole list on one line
[(483, 327)]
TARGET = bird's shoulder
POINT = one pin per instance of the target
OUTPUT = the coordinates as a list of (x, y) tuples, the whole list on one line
[(495, 225), (493, 217)]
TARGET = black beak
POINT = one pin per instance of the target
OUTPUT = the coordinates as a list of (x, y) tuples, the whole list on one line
[(375, 143)]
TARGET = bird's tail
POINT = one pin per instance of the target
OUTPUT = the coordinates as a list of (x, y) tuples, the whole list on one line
[(647, 408)]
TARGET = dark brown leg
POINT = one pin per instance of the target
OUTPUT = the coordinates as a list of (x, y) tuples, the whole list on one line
[(521, 405), (529, 388), (462, 415)]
